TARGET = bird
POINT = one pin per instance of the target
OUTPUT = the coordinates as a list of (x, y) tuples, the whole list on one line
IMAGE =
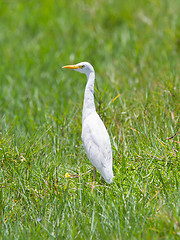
[(95, 138)]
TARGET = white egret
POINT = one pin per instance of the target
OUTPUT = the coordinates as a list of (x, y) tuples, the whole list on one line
[(95, 137)]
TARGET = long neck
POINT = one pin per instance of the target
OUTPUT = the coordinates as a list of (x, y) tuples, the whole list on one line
[(88, 105)]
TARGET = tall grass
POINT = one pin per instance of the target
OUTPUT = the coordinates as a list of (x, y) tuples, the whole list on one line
[(45, 177)]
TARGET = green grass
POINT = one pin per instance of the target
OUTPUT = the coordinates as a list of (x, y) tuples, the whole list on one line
[(134, 47)]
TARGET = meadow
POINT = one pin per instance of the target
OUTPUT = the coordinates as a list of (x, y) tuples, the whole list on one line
[(45, 177)]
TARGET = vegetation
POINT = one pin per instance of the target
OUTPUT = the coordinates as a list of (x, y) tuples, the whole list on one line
[(45, 177)]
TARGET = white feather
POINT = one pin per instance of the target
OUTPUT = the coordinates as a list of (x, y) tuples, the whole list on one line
[(97, 145)]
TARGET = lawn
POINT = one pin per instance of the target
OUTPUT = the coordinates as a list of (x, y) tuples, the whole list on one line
[(45, 177)]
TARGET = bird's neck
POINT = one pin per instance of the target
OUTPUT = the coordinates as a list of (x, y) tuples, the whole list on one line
[(89, 105)]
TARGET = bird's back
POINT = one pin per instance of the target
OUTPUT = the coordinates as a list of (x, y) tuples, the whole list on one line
[(97, 145)]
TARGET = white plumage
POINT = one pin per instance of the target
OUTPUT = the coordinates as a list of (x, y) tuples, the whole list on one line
[(95, 137)]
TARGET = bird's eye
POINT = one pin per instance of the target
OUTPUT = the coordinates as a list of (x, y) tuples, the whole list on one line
[(82, 66)]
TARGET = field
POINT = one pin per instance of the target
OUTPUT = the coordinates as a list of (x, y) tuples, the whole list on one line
[(45, 177)]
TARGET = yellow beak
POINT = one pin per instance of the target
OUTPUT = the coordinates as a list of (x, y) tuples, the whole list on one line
[(71, 66)]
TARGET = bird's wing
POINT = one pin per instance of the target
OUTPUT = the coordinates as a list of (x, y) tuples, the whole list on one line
[(96, 141)]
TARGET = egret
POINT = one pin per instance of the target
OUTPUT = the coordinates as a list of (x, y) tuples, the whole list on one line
[(95, 137)]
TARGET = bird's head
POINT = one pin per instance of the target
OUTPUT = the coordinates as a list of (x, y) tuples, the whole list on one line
[(82, 67)]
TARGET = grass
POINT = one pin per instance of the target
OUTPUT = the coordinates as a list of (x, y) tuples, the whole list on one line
[(134, 47)]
